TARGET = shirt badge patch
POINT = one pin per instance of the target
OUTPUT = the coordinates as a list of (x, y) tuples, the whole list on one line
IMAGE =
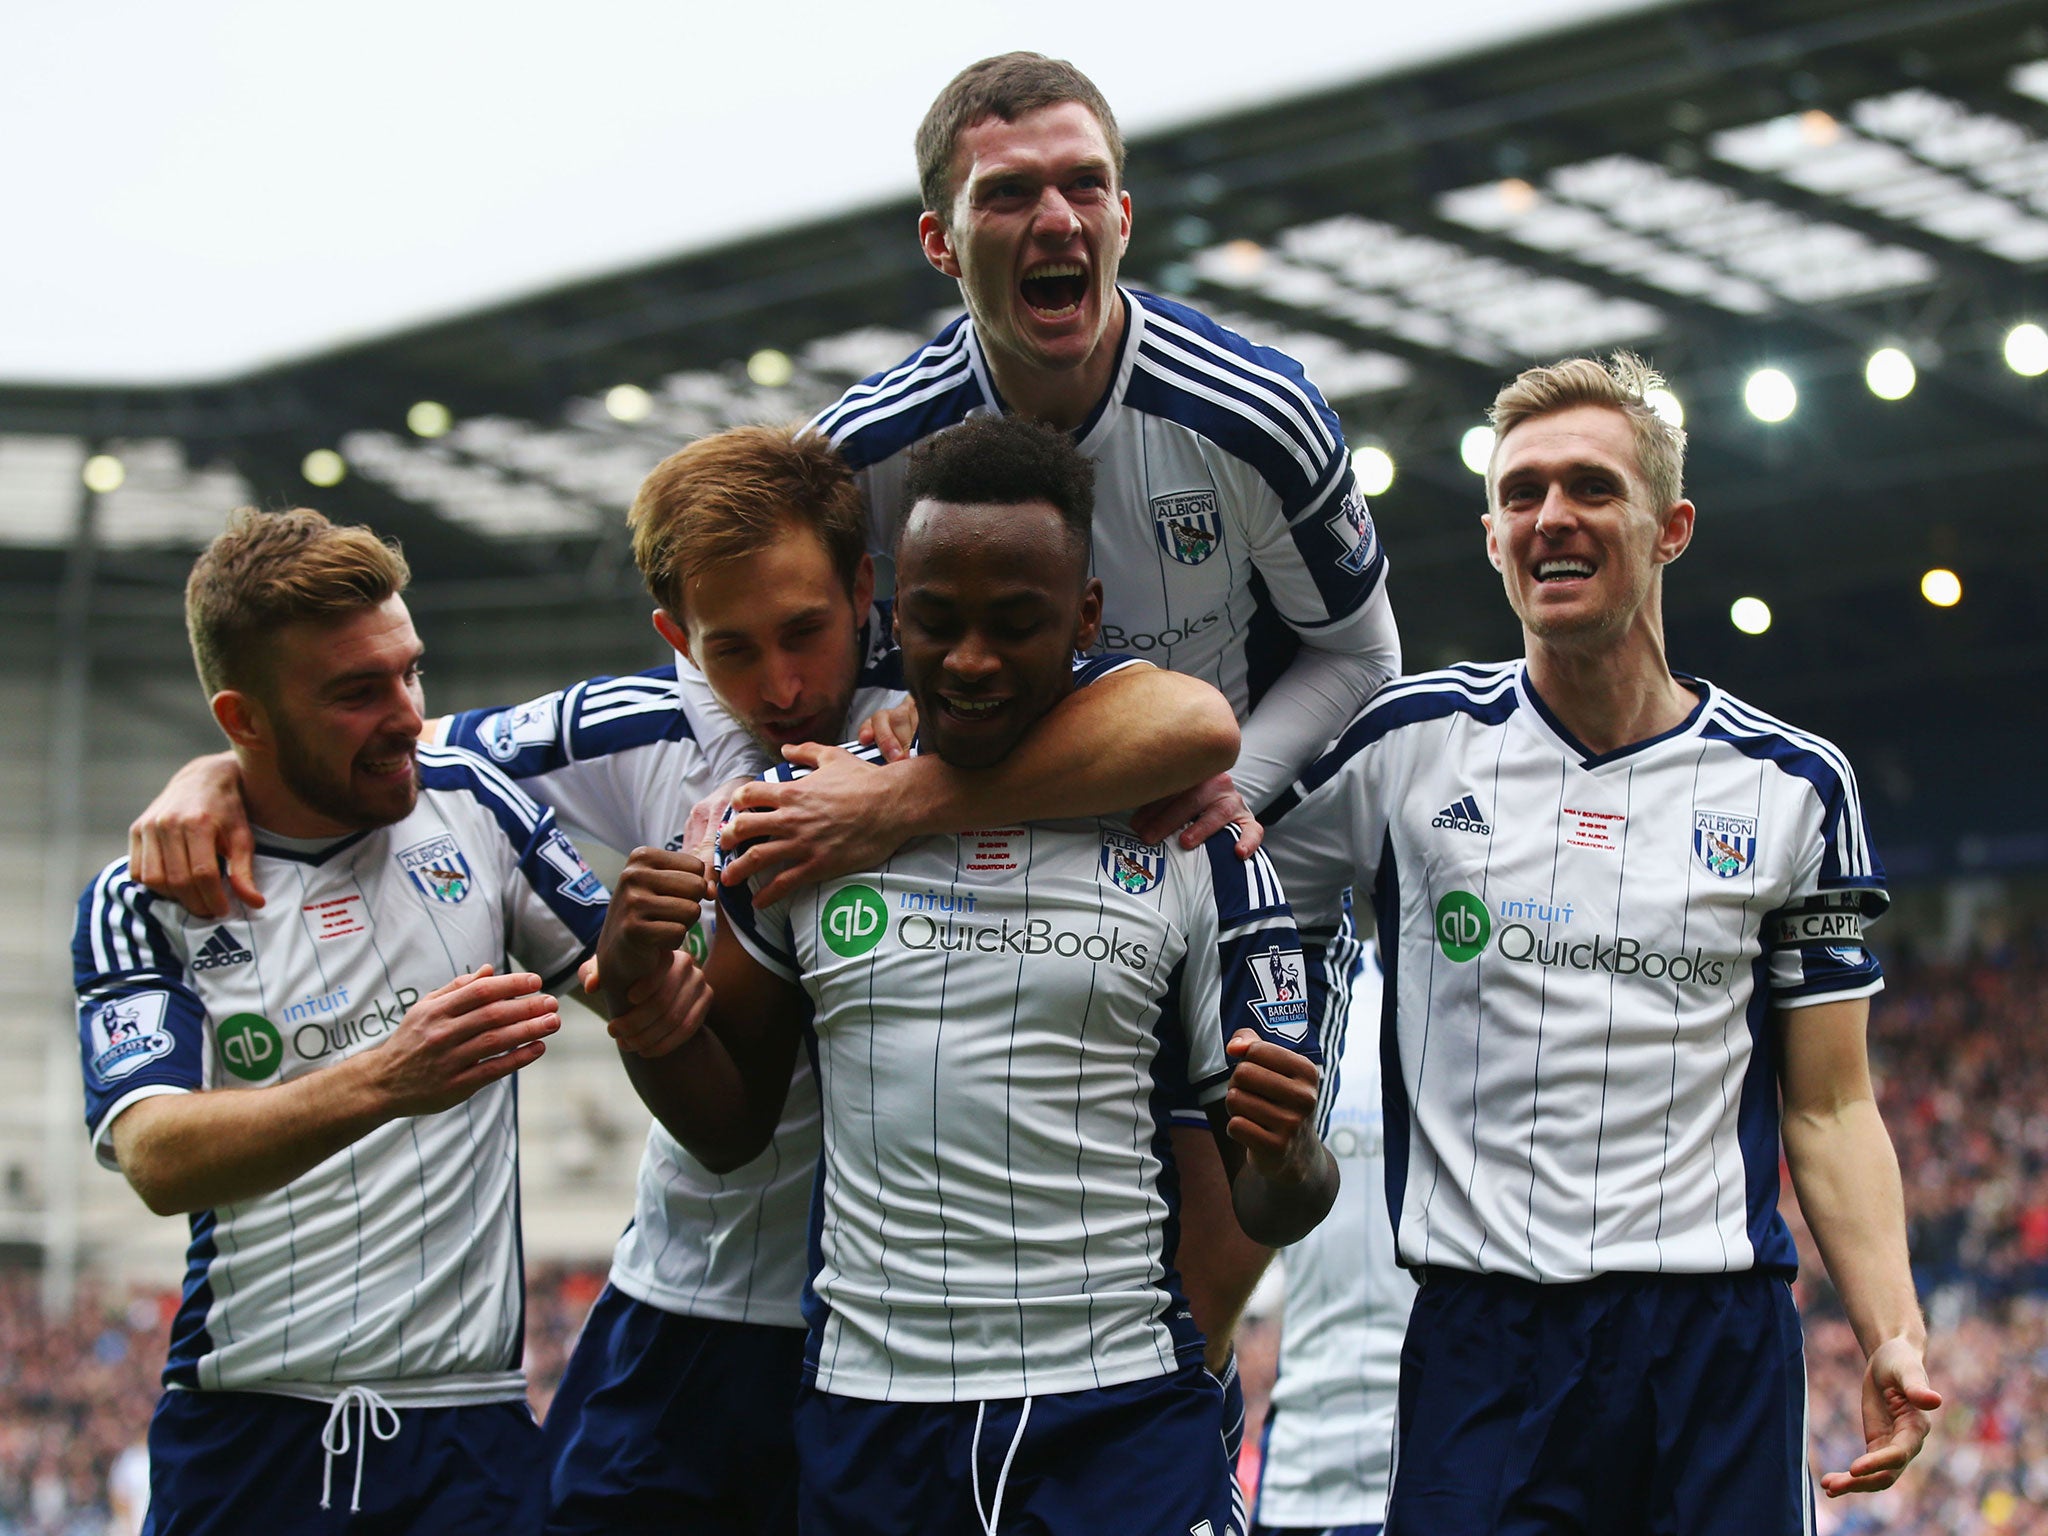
[(579, 881), (1132, 866), (127, 1034), (1282, 1003), (1724, 845), (438, 868), (993, 851), (1351, 526), (1187, 525), (505, 731)]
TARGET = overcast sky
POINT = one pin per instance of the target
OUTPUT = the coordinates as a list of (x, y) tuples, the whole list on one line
[(198, 188)]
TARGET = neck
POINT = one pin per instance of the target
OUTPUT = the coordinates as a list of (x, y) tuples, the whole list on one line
[(276, 809), (1061, 399), (1609, 694)]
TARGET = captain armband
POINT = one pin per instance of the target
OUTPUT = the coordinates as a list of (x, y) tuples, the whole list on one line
[(1829, 919)]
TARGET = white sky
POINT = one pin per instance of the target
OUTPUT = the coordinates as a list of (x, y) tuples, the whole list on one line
[(198, 188)]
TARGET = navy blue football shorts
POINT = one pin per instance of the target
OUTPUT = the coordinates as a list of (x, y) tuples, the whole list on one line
[(1133, 1460), (666, 1423), (232, 1463), (1638, 1405)]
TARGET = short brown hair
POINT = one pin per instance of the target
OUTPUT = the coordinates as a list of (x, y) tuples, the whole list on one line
[(727, 495), (1623, 383), (1006, 86), (268, 569)]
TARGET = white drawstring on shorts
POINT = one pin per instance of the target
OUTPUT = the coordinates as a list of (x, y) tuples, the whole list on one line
[(338, 1438), (994, 1516)]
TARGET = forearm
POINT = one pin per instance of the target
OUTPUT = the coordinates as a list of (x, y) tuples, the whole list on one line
[(195, 1151), (1219, 1266), (1279, 1211), (1307, 706), (1134, 737), (697, 1093), (1847, 1178)]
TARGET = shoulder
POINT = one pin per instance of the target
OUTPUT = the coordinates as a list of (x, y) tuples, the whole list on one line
[(465, 784), (1244, 889), (1799, 753), (1485, 693), (117, 928), (616, 714), (1254, 402), (886, 412)]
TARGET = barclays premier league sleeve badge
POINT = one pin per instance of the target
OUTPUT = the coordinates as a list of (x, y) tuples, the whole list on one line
[(127, 1034), (1282, 1003)]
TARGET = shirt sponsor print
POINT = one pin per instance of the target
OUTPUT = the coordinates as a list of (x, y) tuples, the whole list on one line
[(127, 1034), (1466, 930), (437, 869)]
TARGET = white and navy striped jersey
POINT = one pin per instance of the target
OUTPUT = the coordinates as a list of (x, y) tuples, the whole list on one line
[(1586, 958), (997, 1017), (1229, 527), (1330, 1434), (395, 1263)]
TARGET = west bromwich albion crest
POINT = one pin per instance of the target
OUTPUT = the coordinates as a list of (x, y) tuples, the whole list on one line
[(1351, 526), (1132, 866), (1724, 845), (1282, 1003), (438, 868), (1187, 524)]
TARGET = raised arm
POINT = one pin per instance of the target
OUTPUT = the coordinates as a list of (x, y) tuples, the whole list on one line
[(1129, 738), (1283, 1180), (1310, 702), (196, 822), (1847, 1178), (191, 1151)]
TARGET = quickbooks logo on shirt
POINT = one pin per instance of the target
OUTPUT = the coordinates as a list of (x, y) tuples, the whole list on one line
[(853, 921), (249, 1046), (1464, 929)]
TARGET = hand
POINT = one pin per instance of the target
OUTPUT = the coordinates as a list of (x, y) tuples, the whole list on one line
[(700, 832), (1272, 1107), (1896, 1402), (844, 815), (665, 1009), (1200, 813), (893, 730), (478, 1028), (176, 845), (655, 902)]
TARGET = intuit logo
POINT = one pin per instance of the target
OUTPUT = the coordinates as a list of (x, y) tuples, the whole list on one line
[(1465, 930)]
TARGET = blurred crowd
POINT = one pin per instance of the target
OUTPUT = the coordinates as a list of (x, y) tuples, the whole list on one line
[(1961, 1057)]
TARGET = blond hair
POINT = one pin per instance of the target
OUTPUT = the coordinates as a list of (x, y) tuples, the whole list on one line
[(726, 496), (1623, 383), (268, 569)]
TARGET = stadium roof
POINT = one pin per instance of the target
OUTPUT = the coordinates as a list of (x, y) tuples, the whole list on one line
[(1724, 186)]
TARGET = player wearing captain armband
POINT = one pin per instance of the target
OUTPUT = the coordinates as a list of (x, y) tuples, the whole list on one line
[(997, 1021), (325, 1082), (1621, 914), (675, 1408)]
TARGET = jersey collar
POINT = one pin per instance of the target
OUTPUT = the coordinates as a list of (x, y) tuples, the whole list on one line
[(1545, 721), (305, 850), (1102, 416)]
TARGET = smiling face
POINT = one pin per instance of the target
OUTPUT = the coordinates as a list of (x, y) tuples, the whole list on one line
[(1035, 234), (1571, 531), (992, 602), (337, 724), (776, 635)]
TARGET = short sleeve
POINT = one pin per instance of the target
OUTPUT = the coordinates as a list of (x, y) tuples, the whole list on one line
[(141, 1026), (1816, 940)]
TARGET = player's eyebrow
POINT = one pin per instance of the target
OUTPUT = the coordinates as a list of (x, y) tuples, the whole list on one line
[(801, 616), (372, 674)]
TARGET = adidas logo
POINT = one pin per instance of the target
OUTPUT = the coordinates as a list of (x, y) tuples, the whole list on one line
[(222, 949), (1464, 816)]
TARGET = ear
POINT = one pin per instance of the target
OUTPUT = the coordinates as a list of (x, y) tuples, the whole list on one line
[(1492, 544), (1123, 239), (938, 245), (1676, 534), (863, 588), (242, 719), (674, 633), (1089, 630)]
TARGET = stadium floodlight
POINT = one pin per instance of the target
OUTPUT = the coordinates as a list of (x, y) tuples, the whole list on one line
[(1942, 588), (1890, 374), (1375, 470), (1665, 404), (1770, 395), (103, 473), (1751, 615), (323, 467), (2026, 350), (628, 403), (770, 369), (429, 418), (1476, 448)]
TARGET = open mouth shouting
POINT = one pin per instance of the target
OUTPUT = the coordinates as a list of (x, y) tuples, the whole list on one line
[(1055, 290)]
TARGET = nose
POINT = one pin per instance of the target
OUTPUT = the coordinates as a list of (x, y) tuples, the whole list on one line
[(970, 659), (1055, 216), (1557, 515), (782, 680), (408, 712)]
